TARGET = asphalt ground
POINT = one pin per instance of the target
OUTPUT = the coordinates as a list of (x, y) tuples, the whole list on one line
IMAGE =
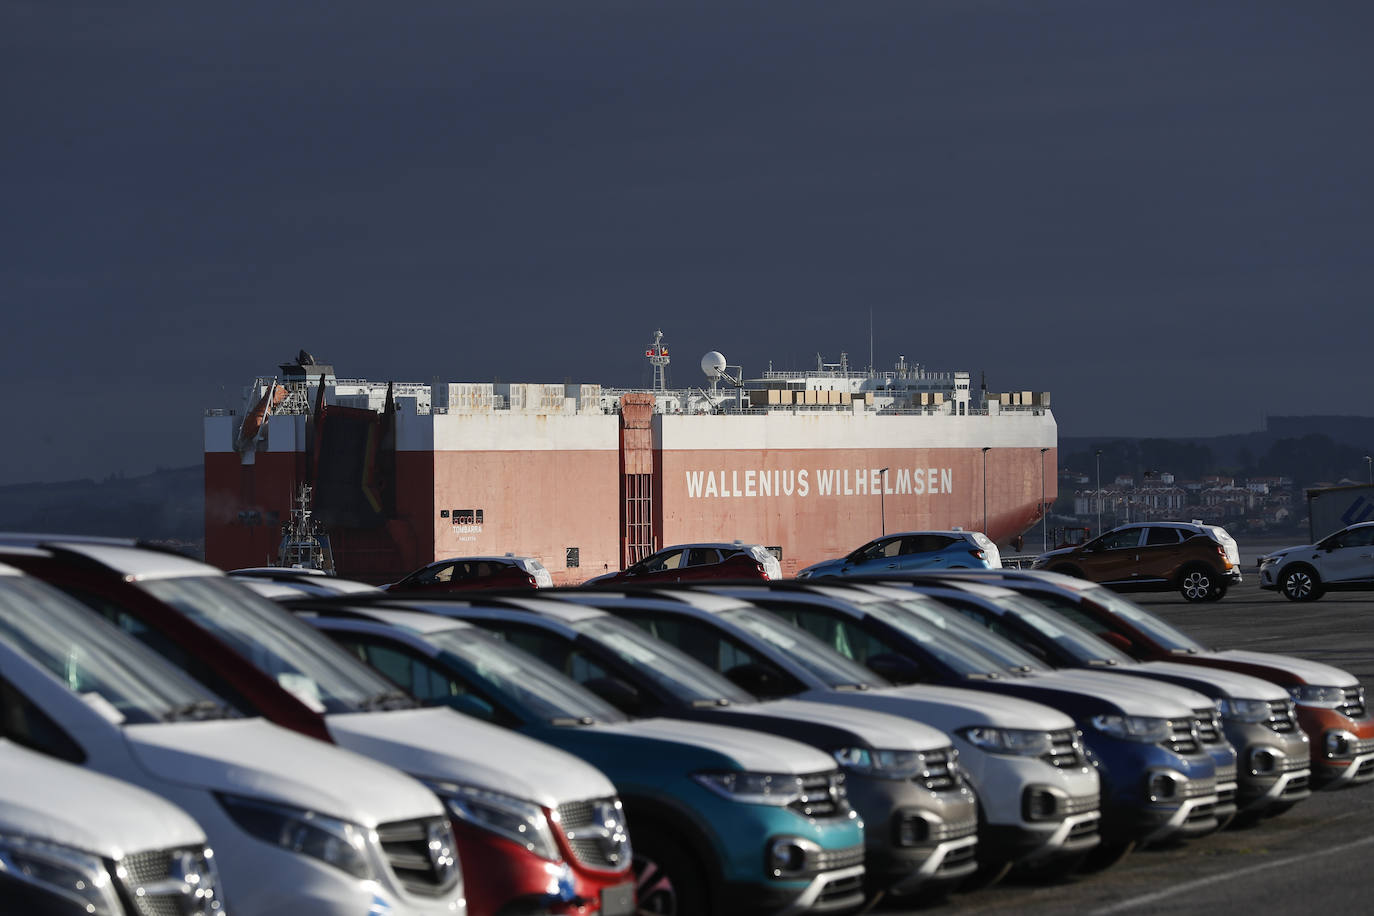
[(1318, 856)]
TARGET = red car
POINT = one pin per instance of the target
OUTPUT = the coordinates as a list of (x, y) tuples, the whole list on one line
[(461, 574), (691, 562)]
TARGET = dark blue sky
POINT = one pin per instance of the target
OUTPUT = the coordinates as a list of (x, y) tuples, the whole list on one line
[(1159, 211)]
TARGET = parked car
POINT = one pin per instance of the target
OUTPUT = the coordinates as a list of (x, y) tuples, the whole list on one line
[(1341, 561), (1329, 702), (458, 574), (1038, 796), (309, 581), (518, 807), (725, 820), (955, 549), (902, 777), (297, 826), (74, 842), (1199, 561), (689, 562), (877, 628)]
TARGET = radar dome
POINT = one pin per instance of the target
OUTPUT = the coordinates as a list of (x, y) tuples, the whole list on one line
[(713, 364)]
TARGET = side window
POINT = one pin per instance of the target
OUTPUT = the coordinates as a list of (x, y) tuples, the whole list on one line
[(702, 556), (1156, 537), (703, 642), (839, 633), (1117, 540), (24, 723), (927, 543), (417, 675), (552, 650)]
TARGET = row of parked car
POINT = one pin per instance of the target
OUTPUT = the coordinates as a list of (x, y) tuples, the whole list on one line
[(707, 746)]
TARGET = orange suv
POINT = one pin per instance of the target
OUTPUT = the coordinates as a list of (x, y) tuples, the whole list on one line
[(1201, 561)]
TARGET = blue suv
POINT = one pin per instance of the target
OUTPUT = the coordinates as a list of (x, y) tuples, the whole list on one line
[(954, 549)]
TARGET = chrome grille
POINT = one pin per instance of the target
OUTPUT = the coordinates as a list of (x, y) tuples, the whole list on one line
[(157, 882), (1196, 787), (1065, 752), (1079, 804), (940, 771), (1182, 739), (1282, 716), (596, 834), (1353, 704), (410, 849), (1208, 728), (823, 795), (832, 859)]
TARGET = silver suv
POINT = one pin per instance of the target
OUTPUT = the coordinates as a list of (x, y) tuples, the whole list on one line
[(1340, 561)]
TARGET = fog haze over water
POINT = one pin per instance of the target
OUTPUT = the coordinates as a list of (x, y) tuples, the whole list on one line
[(1158, 211)]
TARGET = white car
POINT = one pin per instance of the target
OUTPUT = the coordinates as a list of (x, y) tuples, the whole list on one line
[(73, 841), (1343, 561), (298, 826)]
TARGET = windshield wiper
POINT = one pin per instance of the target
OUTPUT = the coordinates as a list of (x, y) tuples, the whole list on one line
[(982, 675), (572, 720), (851, 686), (715, 701), (1101, 662), (387, 700), (198, 711)]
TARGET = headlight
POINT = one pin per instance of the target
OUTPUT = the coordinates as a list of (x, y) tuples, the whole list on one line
[(60, 871), (1021, 741), (309, 833), (1312, 695), (779, 789), (513, 818), (887, 764), (1244, 710), (804, 574), (1270, 560), (1145, 729)]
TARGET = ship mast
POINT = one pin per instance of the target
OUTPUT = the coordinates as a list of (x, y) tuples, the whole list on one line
[(657, 354)]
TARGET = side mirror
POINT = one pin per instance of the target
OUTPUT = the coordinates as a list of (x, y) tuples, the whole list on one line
[(620, 694), (1118, 641), (899, 669)]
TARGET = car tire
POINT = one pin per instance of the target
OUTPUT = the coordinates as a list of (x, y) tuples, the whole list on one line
[(1198, 583), (1300, 583), (668, 879)]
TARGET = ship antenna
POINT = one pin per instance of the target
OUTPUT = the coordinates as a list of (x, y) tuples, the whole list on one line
[(657, 354), (870, 340)]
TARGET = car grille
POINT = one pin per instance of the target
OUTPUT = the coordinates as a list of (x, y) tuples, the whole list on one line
[(1182, 740), (596, 834), (1065, 752), (834, 859), (957, 858), (940, 772), (1196, 787), (406, 845), (1282, 717), (155, 882), (1353, 704), (1208, 728), (1080, 804), (823, 795)]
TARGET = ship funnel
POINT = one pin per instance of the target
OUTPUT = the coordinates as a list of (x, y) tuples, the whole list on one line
[(713, 364)]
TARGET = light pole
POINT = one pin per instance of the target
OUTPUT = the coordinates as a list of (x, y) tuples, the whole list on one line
[(1044, 512), (1099, 493), (986, 449), (882, 497)]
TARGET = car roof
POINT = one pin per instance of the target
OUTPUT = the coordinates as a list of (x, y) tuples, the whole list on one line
[(504, 558), (123, 556), (414, 621)]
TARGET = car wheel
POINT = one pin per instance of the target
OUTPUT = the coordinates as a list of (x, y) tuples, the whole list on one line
[(1300, 583), (1198, 584), (667, 878)]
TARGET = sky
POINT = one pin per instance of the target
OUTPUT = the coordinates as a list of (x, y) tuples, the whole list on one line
[(1157, 210)]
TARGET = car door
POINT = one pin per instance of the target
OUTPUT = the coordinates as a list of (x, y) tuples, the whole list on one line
[(928, 551), (1112, 557), (1161, 554), (700, 563), (1347, 556), (876, 556)]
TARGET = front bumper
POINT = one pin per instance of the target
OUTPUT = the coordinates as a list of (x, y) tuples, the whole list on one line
[(835, 889), (1274, 767), (914, 836)]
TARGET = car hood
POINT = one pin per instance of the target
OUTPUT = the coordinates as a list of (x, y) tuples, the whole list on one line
[(252, 757), (1310, 672), (749, 750), (823, 568), (1134, 694), (1230, 684), (440, 744), (878, 730), (1285, 550), (949, 708), (49, 800)]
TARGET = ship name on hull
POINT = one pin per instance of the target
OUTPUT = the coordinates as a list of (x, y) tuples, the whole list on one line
[(820, 481)]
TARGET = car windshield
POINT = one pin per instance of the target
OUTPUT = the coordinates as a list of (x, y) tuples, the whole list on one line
[(305, 662), (1007, 653), (1081, 645), (520, 678), (967, 659), (1163, 633), (671, 669), (111, 671), (821, 661)]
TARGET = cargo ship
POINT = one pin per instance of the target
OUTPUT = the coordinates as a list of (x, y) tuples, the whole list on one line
[(588, 479)]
